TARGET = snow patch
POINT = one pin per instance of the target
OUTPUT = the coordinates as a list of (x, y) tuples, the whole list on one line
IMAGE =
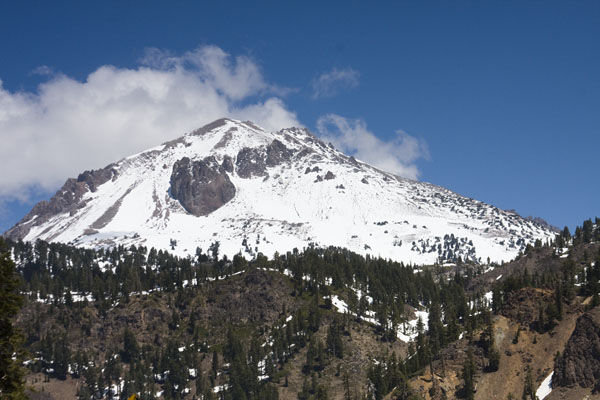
[(545, 387)]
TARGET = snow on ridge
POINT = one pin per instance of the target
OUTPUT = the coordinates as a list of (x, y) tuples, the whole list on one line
[(318, 196)]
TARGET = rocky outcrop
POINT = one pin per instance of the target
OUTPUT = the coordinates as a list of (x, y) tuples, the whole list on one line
[(254, 162), (579, 364), (227, 164), (201, 186), (250, 162), (225, 139), (277, 153), (198, 132), (523, 305), (67, 199)]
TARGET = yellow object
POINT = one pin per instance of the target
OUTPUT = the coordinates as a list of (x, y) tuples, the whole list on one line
[(132, 397)]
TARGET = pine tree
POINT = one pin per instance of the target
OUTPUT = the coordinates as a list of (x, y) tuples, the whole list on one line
[(487, 336), (468, 375), (494, 360), (334, 339), (131, 348), (62, 357), (321, 359), (558, 302), (314, 314), (528, 388), (310, 356), (436, 330), (11, 374)]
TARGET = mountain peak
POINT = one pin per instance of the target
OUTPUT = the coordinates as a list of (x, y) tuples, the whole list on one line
[(258, 191)]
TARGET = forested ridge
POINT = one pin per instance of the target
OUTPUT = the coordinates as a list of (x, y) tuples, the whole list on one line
[(137, 320)]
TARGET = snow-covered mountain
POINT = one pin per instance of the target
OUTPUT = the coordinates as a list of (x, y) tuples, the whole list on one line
[(257, 191)]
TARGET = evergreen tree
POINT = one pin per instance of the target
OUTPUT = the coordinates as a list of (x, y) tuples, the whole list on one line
[(62, 358), (528, 388), (435, 328), (311, 353), (131, 348), (487, 336), (468, 376), (334, 342), (11, 374), (494, 360)]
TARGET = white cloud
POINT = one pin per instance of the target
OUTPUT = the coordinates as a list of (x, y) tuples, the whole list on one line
[(43, 70), (397, 155), (68, 126), (330, 83)]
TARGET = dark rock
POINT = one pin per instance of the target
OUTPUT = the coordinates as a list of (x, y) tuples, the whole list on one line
[(304, 152), (198, 132), (250, 162), (319, 179), (365, 181), (252, 125), (227, 164), (329, 176), (277, 153), (307, 170), (93, 179), (209, 127), (579, 363), (201, 186), (226, 138), (254, 161), (66, 200), (110, 213)]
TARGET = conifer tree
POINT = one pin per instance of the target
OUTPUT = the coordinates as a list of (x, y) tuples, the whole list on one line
[(468, 375), (528, 388), (62, 358), (11, 374), (130, 347), (334, 339), (435, 327)]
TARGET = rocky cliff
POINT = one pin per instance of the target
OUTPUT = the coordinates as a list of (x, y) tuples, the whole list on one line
[(579, 364)]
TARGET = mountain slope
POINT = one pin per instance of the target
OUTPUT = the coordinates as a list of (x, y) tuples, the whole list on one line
[(258, 191)]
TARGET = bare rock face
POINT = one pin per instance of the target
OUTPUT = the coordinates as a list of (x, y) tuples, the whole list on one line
[(250, 162), (579, 364), (254, 162), (201, 186), (227, 164), (277, 153), (67, 199)]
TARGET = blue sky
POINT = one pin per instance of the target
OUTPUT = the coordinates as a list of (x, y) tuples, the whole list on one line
[(499, 101)]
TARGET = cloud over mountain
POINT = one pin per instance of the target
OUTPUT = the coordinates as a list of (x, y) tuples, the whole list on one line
[(397, 155), (69, 125)]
